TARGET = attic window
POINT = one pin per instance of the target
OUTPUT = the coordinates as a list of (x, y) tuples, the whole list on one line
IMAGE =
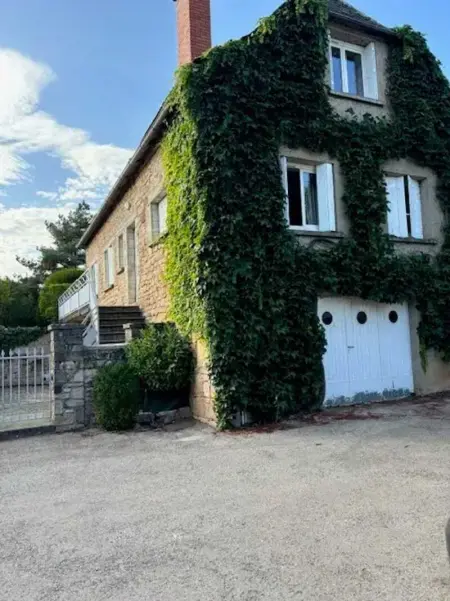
[(353, 69)]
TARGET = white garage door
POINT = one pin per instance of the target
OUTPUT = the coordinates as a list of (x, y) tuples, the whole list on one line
[(368, 353)]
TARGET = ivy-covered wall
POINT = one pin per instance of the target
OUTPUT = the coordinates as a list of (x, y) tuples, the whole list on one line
[(236, 274)]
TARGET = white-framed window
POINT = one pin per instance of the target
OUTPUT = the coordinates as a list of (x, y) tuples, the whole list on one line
[(404, 216), (310, 203), (108, 264), (158, 218), (120, 253), (353, 69)]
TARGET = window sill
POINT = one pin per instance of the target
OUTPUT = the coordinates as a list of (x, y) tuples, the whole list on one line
[(314, 234), (157, 240), (427, 242), (357, 98), (109, 288)]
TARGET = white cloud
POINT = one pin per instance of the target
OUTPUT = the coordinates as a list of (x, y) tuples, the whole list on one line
[(22, 230), (25, 129)]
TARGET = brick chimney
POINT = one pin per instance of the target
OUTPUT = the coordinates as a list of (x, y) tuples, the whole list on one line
[(194, 29)]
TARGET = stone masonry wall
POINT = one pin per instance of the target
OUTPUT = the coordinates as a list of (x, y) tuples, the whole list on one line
[(152, 295), (73, 368), (202, 391), (133, 209)]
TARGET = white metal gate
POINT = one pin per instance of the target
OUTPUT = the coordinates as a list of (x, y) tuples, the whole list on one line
[(25, 391)]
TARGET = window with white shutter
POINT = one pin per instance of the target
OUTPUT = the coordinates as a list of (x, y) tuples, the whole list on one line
[(404, 216), (158, 218), (108, 258), (120, 253), (310, 203), (353, 69), (94, 277)]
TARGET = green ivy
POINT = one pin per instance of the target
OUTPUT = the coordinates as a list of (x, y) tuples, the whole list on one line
[(237, 275)]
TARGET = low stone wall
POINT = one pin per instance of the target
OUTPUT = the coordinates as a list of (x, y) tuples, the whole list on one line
[(73, 368)]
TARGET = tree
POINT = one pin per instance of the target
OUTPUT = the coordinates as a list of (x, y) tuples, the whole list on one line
[(18, 302), (53, 287), (66, 233)]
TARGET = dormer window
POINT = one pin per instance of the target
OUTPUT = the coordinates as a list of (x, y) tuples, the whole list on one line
[(353, 69)]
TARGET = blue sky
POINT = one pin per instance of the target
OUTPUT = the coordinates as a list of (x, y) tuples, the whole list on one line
[(82, 79)]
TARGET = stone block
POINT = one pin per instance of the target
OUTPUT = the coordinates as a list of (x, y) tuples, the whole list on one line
[(184, 413)]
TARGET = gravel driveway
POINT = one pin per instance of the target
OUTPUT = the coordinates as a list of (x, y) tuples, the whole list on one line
[(346, 510)]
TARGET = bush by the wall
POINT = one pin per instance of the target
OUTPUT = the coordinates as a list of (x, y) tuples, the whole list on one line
[(116, 397), (55, 285), (11, 338), (162, 357)]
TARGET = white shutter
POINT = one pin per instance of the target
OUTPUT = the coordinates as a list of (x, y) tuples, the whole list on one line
[(154, 222), (325, 195), (95, 276), (162, 209), (370, 72), (330, 61), (396, 217), (106, 268), (284, 179), (111, 265), (415, 207)]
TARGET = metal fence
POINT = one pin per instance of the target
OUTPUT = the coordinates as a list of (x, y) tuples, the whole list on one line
[(25, 390)]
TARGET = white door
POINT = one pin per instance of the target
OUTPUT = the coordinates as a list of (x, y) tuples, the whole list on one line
[(368, 353)]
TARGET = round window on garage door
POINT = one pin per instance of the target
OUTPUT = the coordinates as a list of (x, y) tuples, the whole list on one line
[(362, 317), (393, 316), (327, 318)]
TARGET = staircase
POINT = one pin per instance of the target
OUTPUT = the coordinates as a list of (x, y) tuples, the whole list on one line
[(112, 320)]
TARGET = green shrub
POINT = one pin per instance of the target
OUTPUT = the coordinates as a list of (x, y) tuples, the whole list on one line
[(11, 338), (162, 357), (116, 397), (55, 285)]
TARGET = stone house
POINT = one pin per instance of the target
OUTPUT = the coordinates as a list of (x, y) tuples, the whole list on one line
[(373, 349)]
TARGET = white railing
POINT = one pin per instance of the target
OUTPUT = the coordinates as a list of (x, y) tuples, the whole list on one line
[(78, 297)]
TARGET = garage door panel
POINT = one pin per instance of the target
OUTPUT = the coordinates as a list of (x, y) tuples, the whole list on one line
[(335, 358), (395, 348), (363, 352)]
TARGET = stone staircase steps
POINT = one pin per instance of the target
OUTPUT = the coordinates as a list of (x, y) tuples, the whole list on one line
[(112, 320)]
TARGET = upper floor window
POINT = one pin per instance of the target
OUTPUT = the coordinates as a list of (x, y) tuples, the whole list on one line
[(158, 218), (108, 264), (404, 207), (353, 69), (120, 253), (309, 196)]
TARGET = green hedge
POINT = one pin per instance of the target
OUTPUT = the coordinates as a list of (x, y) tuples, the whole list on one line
[(11, 338), (236, 274), (162, 357), (116, 397), (55, 285)]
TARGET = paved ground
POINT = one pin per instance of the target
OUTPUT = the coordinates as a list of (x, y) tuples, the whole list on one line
[(345, 510)]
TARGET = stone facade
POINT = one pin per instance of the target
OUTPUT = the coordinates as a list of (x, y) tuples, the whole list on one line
[(132, 217), (73, 367), (152, 294)]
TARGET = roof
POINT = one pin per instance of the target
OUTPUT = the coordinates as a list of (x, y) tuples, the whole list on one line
[(339, 11), (346, 13)]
